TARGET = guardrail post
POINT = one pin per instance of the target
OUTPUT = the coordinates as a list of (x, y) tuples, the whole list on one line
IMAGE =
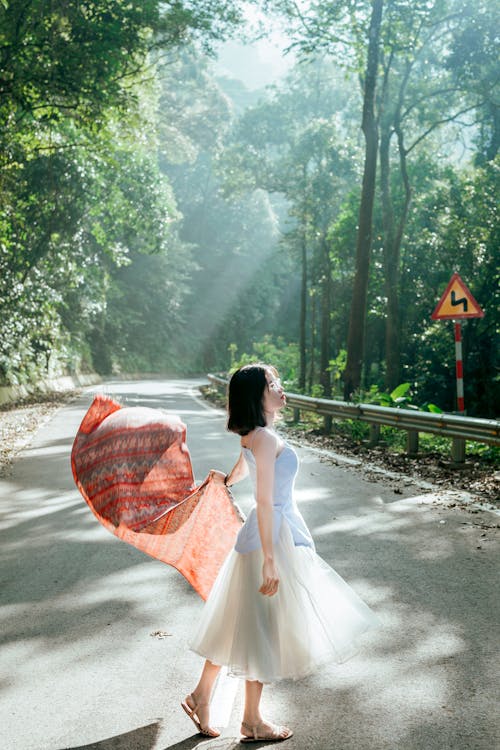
[(412, 442), (458, 450), (327, 424), (296, 414), (374, 435)]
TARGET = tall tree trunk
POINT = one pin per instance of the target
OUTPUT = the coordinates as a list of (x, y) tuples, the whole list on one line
[(391, 265), (312, 358), (326, 310), (356, 335), (393, 237), (494, 144), (303, 317)]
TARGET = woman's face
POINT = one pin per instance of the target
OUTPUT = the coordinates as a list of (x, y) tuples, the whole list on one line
[(274, 395)]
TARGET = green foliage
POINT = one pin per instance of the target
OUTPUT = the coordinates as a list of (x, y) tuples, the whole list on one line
[(317, 391), (356, 430), (61, 244), (337, 366), (473, 61), (437, 86), (284, 356), (83, 202), (436, 444), (237, 264), (455, 227), (400, 397)]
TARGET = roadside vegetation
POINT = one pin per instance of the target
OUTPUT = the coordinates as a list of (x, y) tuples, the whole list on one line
[(349, 439), (158, 217)]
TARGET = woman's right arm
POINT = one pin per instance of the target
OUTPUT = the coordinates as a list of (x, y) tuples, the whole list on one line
[(238, 472)]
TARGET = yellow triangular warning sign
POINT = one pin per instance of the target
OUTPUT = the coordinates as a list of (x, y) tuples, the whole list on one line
[(457, 302)]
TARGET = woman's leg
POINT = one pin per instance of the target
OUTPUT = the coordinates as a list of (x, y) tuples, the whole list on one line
[(202, 694), (203, 691), (252, 718), (253, 692)]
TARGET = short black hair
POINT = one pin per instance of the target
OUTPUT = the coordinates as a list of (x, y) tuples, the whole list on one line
[(245, 398)]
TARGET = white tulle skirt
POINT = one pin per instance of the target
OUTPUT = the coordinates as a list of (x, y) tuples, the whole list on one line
[(315, 617)]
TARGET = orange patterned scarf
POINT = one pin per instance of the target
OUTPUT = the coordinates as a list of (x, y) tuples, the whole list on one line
[(133, 468)]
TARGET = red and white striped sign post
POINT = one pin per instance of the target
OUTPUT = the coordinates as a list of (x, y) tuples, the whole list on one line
[(459, 368), (457, 302)]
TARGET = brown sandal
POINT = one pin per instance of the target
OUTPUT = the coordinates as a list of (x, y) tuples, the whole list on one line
[(193, 715), (275, 735)]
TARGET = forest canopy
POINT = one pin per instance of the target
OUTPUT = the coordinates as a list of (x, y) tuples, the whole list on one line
[(157, 216)]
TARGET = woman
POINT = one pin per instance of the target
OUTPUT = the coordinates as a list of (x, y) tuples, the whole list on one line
[(276, 609)]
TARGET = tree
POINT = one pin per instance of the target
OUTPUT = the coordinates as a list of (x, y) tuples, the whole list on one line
[(418, 96), (338, 27), (72, 91), (232, 239), (455, 227), (294, 143), (356, 334), (437, 64), (472, 59)]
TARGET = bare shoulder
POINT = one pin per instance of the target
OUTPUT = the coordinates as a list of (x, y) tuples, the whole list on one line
[(265, 441)]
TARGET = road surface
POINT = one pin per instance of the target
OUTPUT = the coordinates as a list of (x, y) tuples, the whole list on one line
[(80, 667)]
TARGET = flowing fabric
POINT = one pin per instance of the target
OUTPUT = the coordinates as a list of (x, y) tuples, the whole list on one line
[(133, 468)]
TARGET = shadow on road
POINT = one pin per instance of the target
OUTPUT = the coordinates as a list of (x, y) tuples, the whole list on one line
[(198, 742), (143, 738)]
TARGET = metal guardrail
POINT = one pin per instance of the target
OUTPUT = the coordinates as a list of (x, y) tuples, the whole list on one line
[(454, 426)]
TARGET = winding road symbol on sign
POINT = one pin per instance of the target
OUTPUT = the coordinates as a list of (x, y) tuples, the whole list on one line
[(455, 301)]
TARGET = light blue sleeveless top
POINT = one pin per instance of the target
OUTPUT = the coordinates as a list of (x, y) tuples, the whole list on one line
[(285, 506)]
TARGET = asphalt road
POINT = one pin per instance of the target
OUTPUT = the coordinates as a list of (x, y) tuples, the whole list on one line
[(80, 668)]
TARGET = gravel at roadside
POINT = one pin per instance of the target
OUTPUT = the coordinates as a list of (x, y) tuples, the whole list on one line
[(20, 421)]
